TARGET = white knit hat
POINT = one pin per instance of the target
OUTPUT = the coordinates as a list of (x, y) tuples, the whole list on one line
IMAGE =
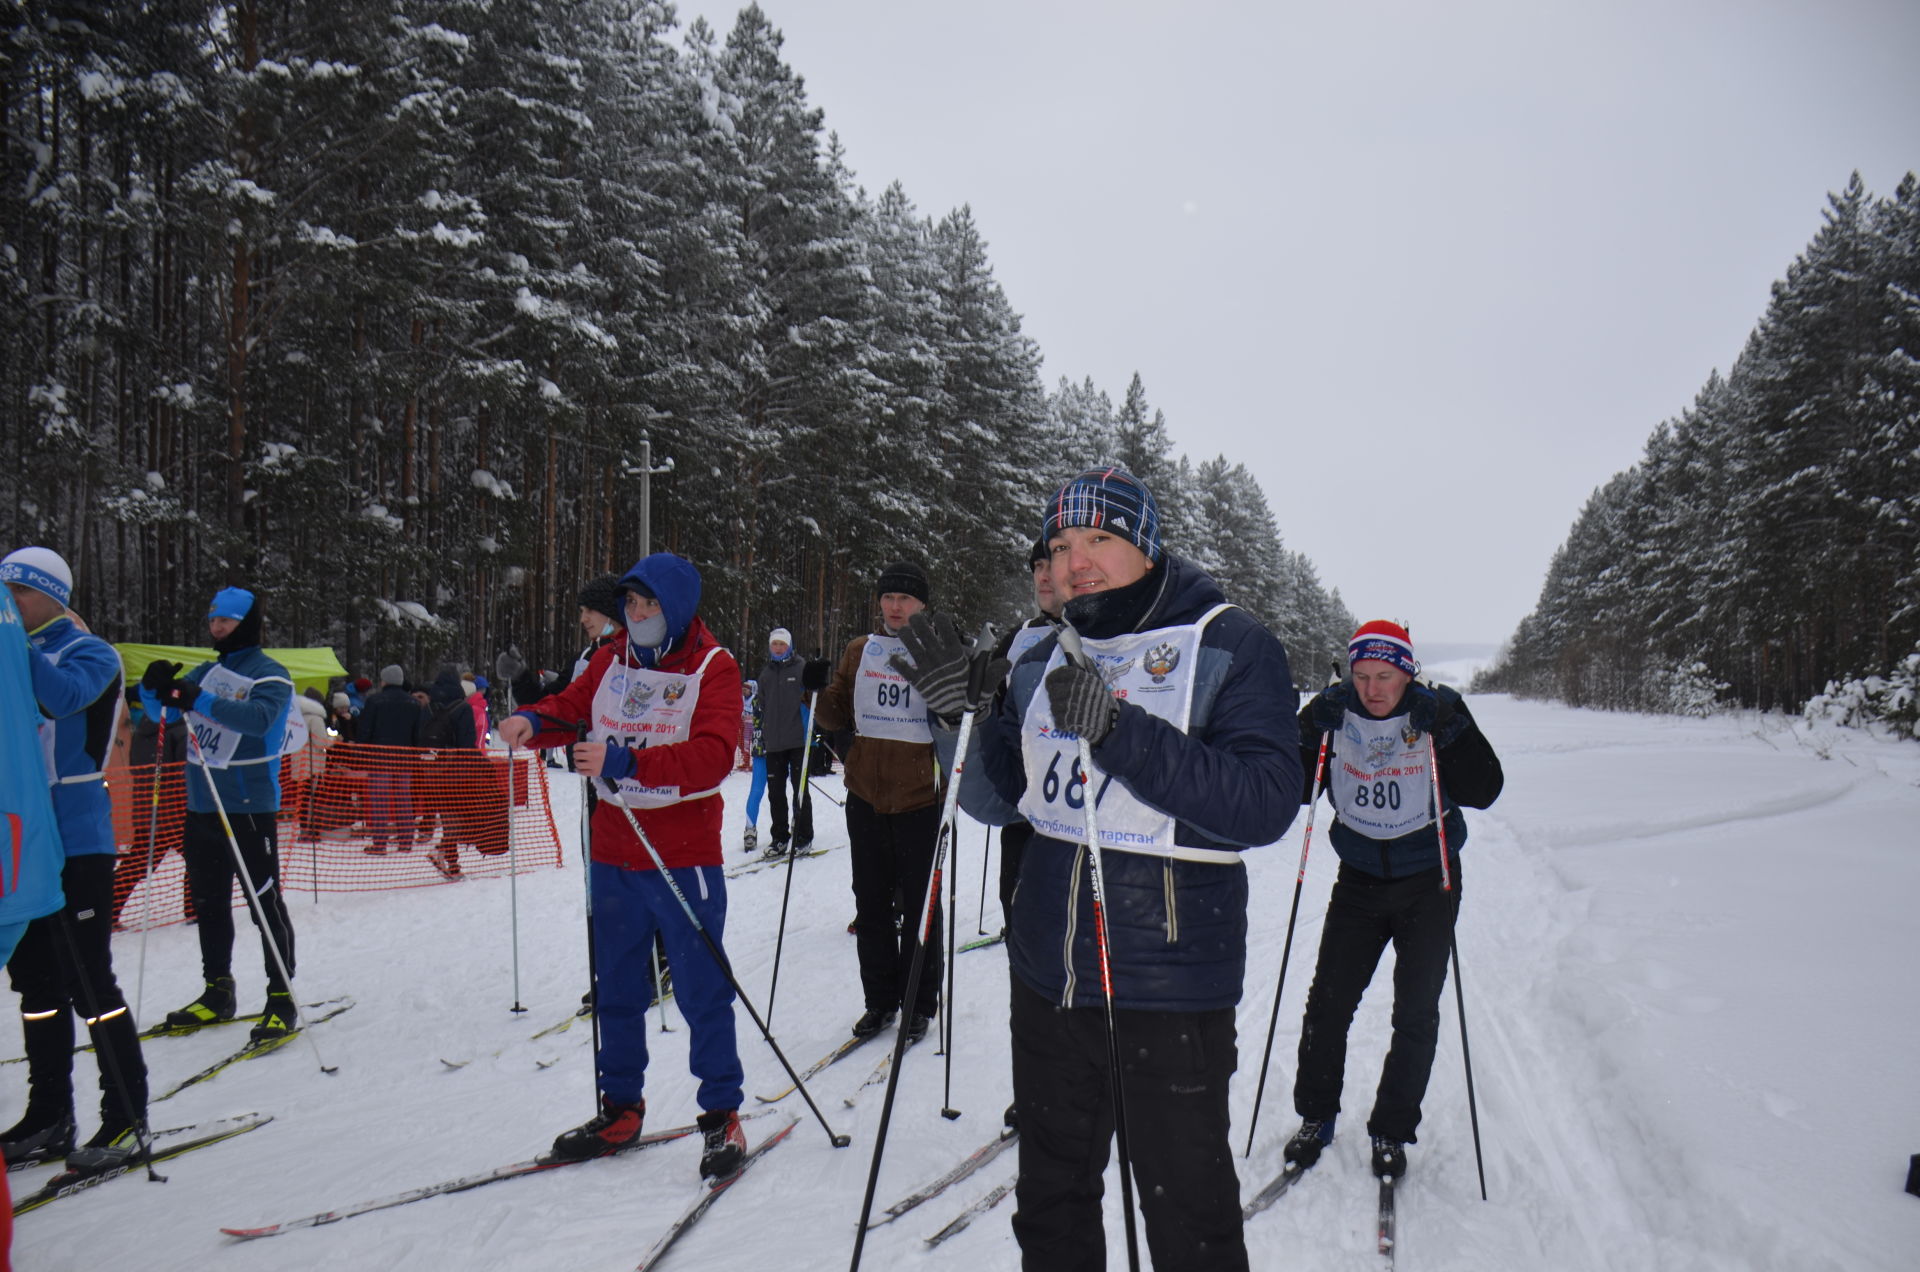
[(780, 636), (41, 569)]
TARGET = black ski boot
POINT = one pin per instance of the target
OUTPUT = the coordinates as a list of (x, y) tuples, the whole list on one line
[(1389, 1158), (871, 1022), (725, 1143), (42, 1135), (214, 1005), (113, 1147), (1303, 1150), (917, 1026), (279, 1019), (616, 1127)]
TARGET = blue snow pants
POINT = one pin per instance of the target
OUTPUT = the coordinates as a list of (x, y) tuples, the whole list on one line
[(629, 906)]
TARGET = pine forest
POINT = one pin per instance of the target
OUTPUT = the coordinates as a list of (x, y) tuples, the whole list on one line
[(1768, 543), (370, 306)]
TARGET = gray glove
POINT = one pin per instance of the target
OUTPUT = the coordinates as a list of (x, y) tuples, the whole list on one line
[(1081, 702), (939, 666)]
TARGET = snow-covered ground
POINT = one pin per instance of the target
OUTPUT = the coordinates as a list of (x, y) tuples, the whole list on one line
[(1689, 968)]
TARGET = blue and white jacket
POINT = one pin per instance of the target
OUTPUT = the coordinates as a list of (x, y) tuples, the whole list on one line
[(1177, 928), (251, 781), (76, 680), (30, 849)]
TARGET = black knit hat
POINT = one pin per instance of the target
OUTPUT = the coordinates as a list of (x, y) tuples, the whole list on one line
[(602, 596), (906, 577)]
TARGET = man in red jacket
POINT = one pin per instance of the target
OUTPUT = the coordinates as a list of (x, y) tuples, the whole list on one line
[(662, 709)]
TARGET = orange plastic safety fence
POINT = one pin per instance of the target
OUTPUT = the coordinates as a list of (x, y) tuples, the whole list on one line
[(353, 818)]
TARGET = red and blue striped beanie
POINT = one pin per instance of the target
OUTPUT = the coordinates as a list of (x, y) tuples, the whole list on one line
[(1111, 499), (1385, 642)]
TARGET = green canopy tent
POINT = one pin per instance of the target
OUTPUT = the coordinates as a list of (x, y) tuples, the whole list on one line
[(310, 668)]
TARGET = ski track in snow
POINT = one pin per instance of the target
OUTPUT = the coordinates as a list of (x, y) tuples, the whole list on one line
[(1686, 949)]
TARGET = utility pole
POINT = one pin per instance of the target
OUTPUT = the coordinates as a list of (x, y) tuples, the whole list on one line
[(646, 472)]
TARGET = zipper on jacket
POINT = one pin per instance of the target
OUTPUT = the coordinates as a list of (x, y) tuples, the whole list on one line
[(1073, 918), (1173, 907)]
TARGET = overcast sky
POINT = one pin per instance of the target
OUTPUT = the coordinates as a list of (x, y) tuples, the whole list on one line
[(1432, 271)]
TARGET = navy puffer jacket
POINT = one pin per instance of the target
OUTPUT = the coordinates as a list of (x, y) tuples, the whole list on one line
[(1178, 929)]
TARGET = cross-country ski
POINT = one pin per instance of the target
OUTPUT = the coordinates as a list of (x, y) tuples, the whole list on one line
[(964, 1169), (708, 1195), (252, 1050), (69, 1183)]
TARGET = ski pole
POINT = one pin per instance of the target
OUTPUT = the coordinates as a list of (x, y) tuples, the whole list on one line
[(146, 875), (580, 729), (1286, 953), (1076, 652), (929, 907), (786, 893), (720, 957), (814, 786), (946, 1008), (513, 885), (254, 902), (986, 856), (1453, 945)]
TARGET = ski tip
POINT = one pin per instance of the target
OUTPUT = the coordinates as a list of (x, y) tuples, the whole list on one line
[(247, 1234)]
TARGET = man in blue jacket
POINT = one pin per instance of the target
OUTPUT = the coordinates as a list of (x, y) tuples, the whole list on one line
[(1383, 729), (237, 708), (64, 962), (1187, 705)]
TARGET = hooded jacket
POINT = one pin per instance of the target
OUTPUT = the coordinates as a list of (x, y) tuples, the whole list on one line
[(76, 677), (30, 848), (686, 834), (251, 781), (1177, 928)]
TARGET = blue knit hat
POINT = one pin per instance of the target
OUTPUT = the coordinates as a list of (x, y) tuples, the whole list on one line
[(1110, 499), (230, 602)]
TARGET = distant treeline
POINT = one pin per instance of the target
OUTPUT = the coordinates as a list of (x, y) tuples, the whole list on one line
[(1769, 541), (368, 304)]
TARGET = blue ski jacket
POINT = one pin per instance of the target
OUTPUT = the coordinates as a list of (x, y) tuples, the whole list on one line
[(30, 848), (251, 782), (76, 679), (1177, 928)]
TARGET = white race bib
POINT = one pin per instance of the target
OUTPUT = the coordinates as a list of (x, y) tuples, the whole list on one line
[(638, 708), (1026, 638), (1152, 670), (216, 742), (1380, 783), (884, 704)]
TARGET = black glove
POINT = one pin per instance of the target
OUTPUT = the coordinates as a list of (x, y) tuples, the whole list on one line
[(938, 663), (1435, 711), (1081, 702), (814, 676), (159, 674), (1329, 707), (178, 693)]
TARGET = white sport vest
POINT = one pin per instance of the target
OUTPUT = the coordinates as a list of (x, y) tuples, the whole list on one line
[(884, 704), (1380, 783), (1152, 670), (637, 707), (216, 742)]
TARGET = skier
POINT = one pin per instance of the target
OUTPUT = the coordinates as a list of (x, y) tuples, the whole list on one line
[(237, 708), (754, 749), (1196, 758), (893, 804), (783, 739), (64, 961), (1378, 723), (663, 705), (29, 882)]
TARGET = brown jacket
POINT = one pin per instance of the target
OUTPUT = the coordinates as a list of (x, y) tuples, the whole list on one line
[(894, 777)]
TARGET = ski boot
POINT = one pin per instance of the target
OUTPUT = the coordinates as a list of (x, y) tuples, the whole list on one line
[(113, 1147), (750, 839), (1303, 1150), (871, 1022), (40, 1136), (280, 1018), (616, 1127), (214, 1005), (725, 1143), (1389, 1158)]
